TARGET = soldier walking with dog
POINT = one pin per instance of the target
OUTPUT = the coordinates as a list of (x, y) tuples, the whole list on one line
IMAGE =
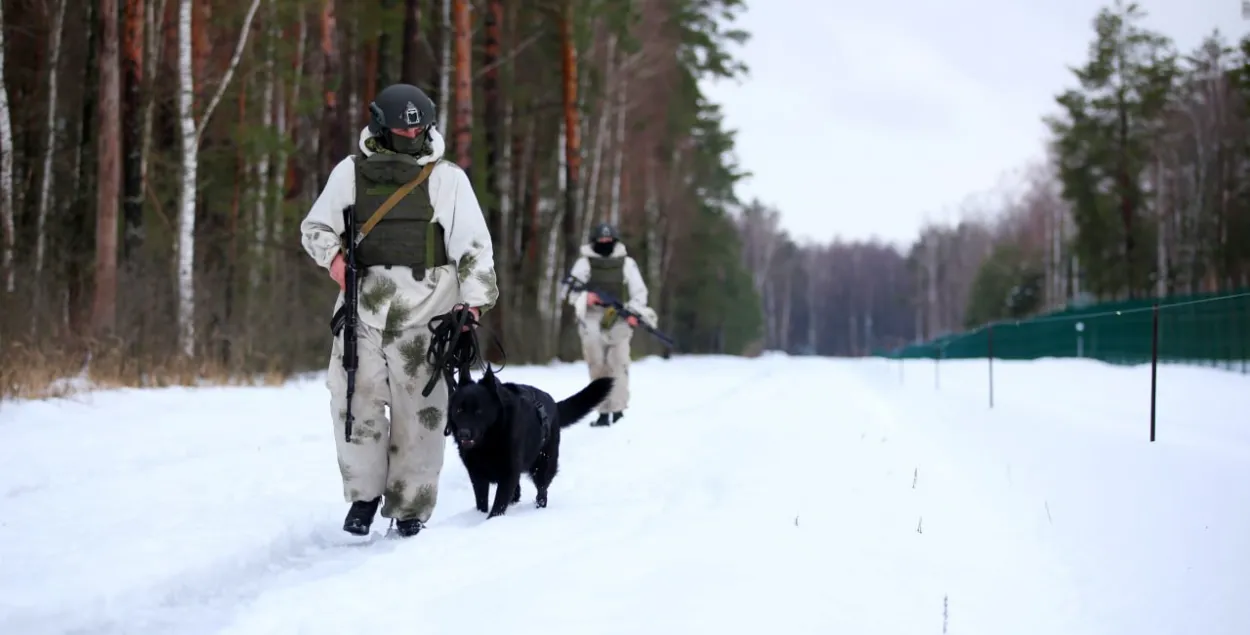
[(422, 250), (605, 269)]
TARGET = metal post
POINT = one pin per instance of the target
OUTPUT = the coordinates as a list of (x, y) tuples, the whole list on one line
[(1154, 368), (990, 345)]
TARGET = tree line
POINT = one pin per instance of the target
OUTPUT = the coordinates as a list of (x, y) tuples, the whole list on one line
[(158, 156), (1143, 191)]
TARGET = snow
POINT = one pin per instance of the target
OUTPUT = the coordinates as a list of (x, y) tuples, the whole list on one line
[(777, 494)]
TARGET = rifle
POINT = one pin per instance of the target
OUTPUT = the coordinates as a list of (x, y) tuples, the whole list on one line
[(347, 317), (609, 300)]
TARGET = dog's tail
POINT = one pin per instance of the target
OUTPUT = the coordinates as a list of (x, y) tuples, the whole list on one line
[(572, 410)]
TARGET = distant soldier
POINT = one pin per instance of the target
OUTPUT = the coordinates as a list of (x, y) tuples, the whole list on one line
[(605, 266)]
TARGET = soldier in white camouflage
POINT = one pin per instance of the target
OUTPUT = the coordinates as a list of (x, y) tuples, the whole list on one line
[(430, 253), (605, 267)]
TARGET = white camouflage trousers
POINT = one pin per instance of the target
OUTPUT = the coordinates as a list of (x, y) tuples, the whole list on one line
[(400, 456), (607, 355)]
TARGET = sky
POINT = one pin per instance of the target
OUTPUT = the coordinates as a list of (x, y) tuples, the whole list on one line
[(863, 120)]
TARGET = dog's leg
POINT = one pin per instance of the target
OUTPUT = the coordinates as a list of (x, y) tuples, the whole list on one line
[(504, 493), (545, 469), (481, 491), (516, 498)]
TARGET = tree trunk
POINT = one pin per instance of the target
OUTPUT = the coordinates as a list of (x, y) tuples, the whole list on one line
[(618, 144), (47, 178), (260, 218), (288, 116), (187, 187), (495, 178), (410, 60), (464, 85), (155, 50), (601, 138), (108, 179), (6, 170), (132, 127), (332, 135), (349, 92), (572, 140), (444, 69), (78, 224)]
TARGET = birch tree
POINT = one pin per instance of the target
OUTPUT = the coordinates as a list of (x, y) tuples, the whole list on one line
[(191, 133), (6, 171), (46, 180)]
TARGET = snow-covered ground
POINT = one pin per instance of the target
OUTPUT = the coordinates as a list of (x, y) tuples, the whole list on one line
[(778, 495)]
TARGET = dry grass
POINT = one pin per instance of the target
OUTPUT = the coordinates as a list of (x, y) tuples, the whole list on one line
[(61, 369)]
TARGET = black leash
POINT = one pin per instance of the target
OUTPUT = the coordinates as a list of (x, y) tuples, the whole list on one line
[(454, 350)]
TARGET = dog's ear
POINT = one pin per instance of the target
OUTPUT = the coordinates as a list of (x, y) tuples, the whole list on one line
[(466, 378), (491, 382)]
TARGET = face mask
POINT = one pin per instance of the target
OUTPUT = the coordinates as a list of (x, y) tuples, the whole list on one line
[(604, 249), (405, 145)]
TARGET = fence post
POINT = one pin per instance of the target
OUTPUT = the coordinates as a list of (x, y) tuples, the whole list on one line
[(937, 369), (990, 345), (1154, 368)]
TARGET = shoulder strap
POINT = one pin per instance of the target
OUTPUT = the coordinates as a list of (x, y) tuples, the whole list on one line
[(393, 200)]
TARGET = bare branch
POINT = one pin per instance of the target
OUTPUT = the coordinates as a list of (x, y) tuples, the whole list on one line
[(225, 79)]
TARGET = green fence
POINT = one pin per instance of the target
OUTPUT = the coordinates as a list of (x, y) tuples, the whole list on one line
[(1212, 329)]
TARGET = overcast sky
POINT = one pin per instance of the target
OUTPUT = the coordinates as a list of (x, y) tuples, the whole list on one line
[(863, 119)]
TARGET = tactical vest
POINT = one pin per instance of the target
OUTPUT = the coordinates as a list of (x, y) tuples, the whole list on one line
[(608, 274), (407, 235)]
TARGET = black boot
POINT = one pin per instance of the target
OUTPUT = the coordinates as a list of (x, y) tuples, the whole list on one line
[(409, 527), (616, 416), (360, 517), (603, 420)]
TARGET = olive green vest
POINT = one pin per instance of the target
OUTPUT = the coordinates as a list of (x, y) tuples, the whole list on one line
[(404, 236), (608, 274)]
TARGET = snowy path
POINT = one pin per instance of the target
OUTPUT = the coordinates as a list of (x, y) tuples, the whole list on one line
[(778, 495)]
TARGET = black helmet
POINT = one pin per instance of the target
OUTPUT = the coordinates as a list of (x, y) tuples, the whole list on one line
[(603, 247), (604, 230), (404, 107)]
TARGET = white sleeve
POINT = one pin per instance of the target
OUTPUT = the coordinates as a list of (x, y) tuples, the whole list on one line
[(321, 228), (636, 285), (638, 293), (581, 271), (468, 239)]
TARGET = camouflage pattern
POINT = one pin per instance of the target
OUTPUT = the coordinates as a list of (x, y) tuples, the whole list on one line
[(607, 355), (400, 458)]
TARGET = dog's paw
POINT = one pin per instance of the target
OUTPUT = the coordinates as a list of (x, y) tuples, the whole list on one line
[(540, 501), (494, 514)]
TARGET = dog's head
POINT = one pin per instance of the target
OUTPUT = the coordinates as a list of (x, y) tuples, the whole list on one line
[(474, 408)]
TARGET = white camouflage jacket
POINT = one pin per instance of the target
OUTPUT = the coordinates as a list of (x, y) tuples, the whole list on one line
[(456, 209), (633, 281)]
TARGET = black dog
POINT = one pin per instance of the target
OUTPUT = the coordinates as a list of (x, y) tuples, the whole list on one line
[(503, 430)]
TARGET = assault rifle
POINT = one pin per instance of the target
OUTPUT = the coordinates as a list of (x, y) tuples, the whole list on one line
[(347, 317), (609, 300)]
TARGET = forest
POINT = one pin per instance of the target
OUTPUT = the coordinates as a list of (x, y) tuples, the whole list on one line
[(157, 156), (1142, 191)]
